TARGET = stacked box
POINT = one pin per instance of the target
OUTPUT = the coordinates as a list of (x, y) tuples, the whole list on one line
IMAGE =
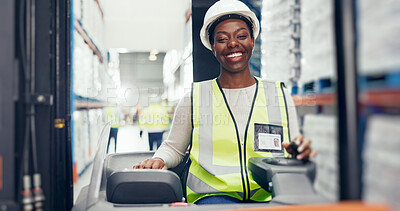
[(92, 22), (87, 128), (88, 16), (81, 137), (276, 41), (83, 68), (88, 70), (321, 129), (381, 160), (317, 41), (97, 69), (90, 80), (96, 122), (77, 9), (379, 29)]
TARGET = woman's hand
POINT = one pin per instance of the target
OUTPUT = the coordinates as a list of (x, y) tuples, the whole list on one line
[(304, 148), (151, 163)]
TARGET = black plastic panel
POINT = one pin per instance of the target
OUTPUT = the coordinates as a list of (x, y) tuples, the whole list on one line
[(143, 186)]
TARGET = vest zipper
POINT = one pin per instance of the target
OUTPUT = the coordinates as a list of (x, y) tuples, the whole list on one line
[(245, 139), (246, 186), (238, 142), (286, 109), (243, 164)]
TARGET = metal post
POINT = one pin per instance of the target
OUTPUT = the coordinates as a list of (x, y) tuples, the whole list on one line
[(349, 155), (9, 85), (205, 66)]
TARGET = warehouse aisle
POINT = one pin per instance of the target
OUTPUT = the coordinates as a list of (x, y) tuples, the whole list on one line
[(130, 141)]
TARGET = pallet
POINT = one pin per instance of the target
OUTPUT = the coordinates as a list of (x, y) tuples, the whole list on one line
[(320, 86), (388, 80)]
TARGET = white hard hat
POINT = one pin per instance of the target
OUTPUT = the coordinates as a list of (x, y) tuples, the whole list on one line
[(227, 7)]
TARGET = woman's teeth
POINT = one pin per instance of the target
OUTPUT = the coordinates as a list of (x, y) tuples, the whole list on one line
[(234, 55)]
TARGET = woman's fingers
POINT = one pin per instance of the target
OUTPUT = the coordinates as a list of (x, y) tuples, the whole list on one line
[(158, 164), (287, 147), (313, 154), (147, 164), (151, 164), (305, 155), (298, 139), (304, 145), (304, 148)]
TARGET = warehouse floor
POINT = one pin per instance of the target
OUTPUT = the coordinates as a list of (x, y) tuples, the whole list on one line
[(128, 141)]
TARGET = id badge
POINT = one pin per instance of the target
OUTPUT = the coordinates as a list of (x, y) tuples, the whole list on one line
[(268, 138)]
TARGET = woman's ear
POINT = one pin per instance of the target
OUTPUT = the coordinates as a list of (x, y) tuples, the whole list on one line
[(253, 41), (213, 49)]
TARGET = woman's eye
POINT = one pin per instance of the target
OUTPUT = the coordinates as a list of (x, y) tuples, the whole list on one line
[(221, 39), (242, 37)]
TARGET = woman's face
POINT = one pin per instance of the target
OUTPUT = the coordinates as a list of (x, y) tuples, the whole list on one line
[(233, 45)]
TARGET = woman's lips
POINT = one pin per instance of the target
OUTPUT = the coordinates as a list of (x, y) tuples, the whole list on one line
[(234, 57)]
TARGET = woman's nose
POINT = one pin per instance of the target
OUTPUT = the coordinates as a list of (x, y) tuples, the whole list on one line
[(233, 43)]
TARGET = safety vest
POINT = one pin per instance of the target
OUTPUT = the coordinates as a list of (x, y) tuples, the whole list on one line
[(113, 116), (218, 157), (154, 118)]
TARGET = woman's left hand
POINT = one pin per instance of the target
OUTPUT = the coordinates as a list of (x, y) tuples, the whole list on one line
[(304, 148)]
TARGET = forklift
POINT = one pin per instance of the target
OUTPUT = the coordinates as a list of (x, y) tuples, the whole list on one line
[(114, 185)]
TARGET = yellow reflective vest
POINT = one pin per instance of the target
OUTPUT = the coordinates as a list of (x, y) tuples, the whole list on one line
[(155, 118), (113, 116), (218, 156)]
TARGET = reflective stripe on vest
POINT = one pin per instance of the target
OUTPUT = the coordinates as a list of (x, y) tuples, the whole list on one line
[(218, 157)]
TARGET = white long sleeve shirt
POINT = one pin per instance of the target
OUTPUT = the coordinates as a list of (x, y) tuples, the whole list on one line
[(174, 147)]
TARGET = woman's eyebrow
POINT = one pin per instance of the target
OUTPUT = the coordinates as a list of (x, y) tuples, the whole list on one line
[(224, 32), (240, 29), (221, 32)]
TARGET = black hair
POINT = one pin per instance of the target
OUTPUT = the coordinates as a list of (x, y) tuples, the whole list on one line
[(212, 26)]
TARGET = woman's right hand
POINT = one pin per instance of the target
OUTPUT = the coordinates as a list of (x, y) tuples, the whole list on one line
[(151, 163)]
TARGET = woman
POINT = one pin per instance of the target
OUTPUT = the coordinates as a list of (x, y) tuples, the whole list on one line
[(230, 119)]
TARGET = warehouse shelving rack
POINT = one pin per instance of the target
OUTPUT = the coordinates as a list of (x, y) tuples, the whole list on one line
[(84, 102)]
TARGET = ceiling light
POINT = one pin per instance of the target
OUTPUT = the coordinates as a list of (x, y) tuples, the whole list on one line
[(152, 57)]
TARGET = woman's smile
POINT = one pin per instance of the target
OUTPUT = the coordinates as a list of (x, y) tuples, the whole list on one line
[(234, 57)]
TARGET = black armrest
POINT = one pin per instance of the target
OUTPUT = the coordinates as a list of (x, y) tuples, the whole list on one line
[(143, 186)]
